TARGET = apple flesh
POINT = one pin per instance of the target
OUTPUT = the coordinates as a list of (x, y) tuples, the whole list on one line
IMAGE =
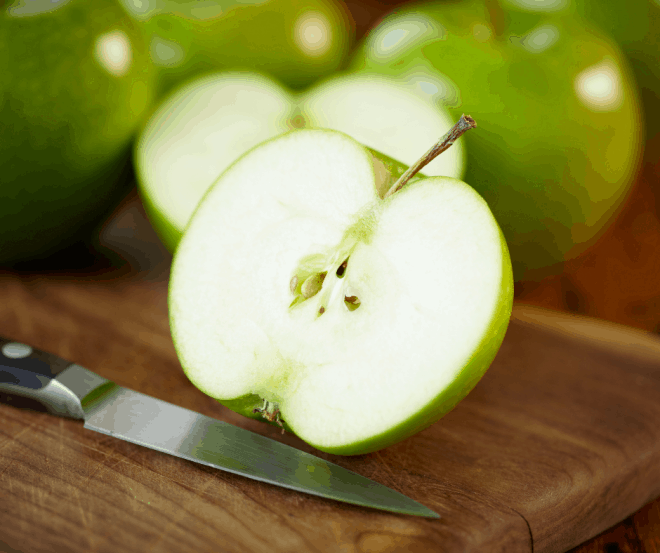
[(210, 122), (75, 85), (300, 296), (560, 129)]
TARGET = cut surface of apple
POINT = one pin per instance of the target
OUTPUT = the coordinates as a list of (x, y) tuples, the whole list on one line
[(355, 321), (210, 122)]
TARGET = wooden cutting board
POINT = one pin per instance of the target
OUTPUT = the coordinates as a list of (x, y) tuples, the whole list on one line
[(560, 440)]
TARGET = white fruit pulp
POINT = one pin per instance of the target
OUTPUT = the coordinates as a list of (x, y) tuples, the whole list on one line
[(427, 270), (394, 118), (203, 128)]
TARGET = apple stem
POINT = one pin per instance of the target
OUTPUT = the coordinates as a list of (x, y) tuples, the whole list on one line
[(465, 123)]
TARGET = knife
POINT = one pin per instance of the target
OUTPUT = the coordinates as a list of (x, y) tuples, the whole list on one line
[(69, 390)]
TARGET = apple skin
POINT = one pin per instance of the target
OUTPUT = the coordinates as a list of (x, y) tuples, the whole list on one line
[(186, 40), (445, 401), (167, 232), (68, 115), (553, 167)]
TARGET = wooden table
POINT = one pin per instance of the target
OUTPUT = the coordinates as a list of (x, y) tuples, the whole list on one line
[(557, 443)]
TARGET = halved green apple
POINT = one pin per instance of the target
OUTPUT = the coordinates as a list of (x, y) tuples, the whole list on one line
[(210, 122), (300, 296)]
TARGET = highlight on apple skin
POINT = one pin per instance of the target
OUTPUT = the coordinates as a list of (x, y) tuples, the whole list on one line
[(295, 41), (75, 86), (301, 297), (210, 121), (635, 26)]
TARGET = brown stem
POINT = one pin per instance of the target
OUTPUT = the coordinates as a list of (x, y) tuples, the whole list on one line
[(465, 123)]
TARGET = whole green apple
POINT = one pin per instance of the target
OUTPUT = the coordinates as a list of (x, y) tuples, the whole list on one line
[(560, 131), (304, 294), (211, 121), (296, 41), (75, 85)]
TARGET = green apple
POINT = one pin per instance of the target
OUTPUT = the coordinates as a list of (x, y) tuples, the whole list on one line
[(560, 137), (304, 295), (75, 86), (297, 41), (210, 122)]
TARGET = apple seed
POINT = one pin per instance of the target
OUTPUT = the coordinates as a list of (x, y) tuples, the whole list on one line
[(293, 284), (312, 285), (352, 302)]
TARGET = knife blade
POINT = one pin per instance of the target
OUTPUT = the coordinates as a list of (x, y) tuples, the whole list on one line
[(69, 390)]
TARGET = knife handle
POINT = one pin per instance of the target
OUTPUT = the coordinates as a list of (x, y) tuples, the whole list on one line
[(59, 385)]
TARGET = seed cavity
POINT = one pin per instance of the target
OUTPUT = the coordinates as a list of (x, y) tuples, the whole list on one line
[(293, 284), (342, 268), (308, 282), (312, 284), (351, 302)]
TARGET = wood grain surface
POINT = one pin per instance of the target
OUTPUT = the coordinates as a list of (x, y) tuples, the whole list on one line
[(558, 442)]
